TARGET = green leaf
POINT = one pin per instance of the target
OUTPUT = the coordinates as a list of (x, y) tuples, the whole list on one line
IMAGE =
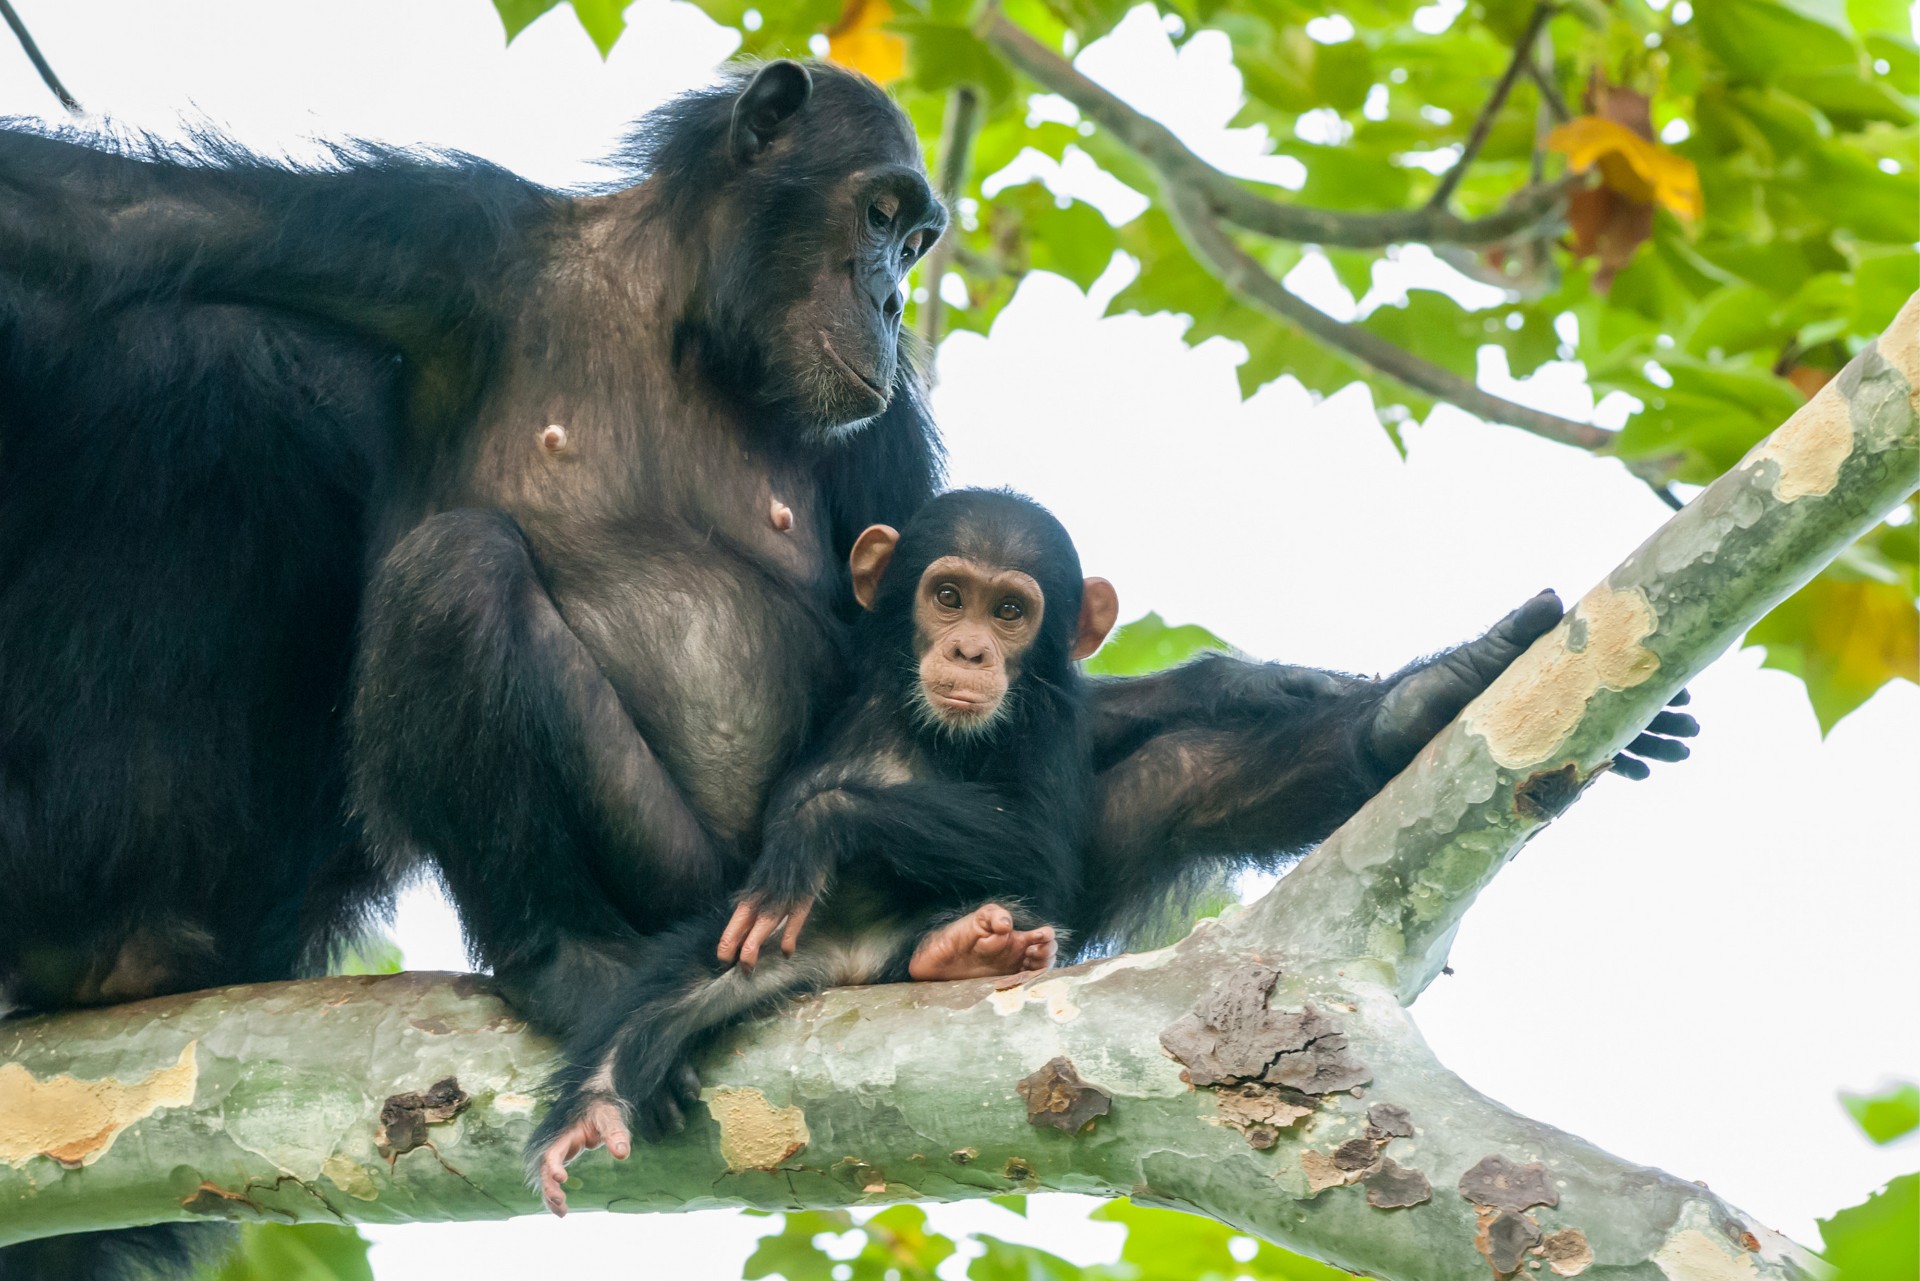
[(1878, 1240), (1757, 39), (1005, 1261), (1879, 16), (518, 15), (1016, 1204), (1149, 644), (1886, 1116), (791, 1253), (307, 1252), (372, 954)]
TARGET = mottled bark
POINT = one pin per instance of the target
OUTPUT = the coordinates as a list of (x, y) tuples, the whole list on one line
[(1321, 1121)]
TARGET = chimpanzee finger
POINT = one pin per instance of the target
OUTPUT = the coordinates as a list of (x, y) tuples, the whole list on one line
[(686, 1083), (1659, 749), (763, 927), (1674, 725), (1508, 638), (795, 923), (731, 937), (1680, 700), (1627, 767)]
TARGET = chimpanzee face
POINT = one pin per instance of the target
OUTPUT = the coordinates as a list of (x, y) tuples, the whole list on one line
[(972, 626), (985, 601), (831, 207)]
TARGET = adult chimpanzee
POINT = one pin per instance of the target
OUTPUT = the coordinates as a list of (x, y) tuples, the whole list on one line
[(959, 771), (608, 452)]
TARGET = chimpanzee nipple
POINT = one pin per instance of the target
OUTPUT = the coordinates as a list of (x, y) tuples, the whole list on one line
[(554, 438), (782, 516)]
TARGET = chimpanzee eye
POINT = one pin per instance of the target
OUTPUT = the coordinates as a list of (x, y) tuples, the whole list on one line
[(948, 596), (911, 250), (1009, 612), (878, 218)]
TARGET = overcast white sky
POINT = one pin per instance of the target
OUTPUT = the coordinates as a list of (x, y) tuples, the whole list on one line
[(1707, 957)]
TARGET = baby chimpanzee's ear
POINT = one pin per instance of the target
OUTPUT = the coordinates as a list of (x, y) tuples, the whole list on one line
[(1099, 608), (872, 552)]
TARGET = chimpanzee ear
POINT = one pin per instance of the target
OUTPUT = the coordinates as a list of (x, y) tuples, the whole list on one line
[(872, 552), (776, 92), (1099, 609)]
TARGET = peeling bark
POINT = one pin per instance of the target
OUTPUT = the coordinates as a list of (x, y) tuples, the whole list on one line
[(408, 1098)]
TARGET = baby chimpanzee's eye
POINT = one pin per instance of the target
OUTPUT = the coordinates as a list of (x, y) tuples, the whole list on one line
[(1009, 612), (948, 596)]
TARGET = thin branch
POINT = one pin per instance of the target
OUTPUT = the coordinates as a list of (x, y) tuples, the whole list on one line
[(38, 59), (1542, 76), (1180, 168), (1483, 123), (956, 156), (1248, 279)]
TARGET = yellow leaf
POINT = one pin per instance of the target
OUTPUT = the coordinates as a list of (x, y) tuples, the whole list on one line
[(1638, 168), (860, 41), (1845, 639)]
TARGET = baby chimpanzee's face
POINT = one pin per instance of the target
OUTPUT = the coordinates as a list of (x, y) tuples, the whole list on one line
[(973, 623)]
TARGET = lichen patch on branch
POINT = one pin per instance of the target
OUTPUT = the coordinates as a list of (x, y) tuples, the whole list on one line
[(1810, 447), (1529, 712), (754, 1134), (74, 1121), (1693, 1255), (1899, 346)]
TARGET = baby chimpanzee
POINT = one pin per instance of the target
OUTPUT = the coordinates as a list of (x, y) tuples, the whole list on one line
[(940, 823)]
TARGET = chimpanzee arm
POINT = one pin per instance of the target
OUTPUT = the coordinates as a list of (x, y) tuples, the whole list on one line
[(1222, 757), (485, 735), (393, 245)]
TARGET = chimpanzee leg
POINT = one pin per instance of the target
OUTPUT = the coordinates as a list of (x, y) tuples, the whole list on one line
[(1221, 757), (487, 738)]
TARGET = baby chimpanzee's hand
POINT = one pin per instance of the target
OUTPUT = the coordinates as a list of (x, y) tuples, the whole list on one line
[(753, 923)]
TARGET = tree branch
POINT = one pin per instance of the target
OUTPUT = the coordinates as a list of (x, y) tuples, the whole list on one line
[(956, 154), (37, 58), (1180, 169), (302, 1102), (1394, 882), (1247, 278), (1523, 53)]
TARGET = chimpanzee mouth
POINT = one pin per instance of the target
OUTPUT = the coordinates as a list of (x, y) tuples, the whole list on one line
[(853, 374)]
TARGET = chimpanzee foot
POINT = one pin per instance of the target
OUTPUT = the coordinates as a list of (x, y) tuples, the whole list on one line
[(599, 1124), (982, 944)]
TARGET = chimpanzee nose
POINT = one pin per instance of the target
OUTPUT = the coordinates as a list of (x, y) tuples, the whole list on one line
[(891, 305), (969, 649)]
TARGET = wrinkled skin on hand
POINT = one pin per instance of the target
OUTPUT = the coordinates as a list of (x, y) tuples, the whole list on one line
[(1426, 702)]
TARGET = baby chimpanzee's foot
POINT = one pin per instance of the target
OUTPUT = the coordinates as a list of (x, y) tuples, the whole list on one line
[(982, 944), (597, 1122)]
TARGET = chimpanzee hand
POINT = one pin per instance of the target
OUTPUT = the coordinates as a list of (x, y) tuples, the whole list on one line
[(753, 923), (1658, 742), (1425, 699)]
